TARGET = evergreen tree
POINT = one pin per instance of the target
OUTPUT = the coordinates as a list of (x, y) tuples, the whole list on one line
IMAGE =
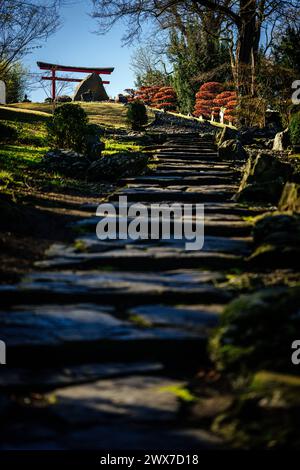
[(191, 54), (287, 52), (15, 78)]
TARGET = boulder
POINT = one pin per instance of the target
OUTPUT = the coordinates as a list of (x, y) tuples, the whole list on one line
[(276, 241), (93, 147), (264, 179), (256, 332), (265, 413), (249, 134), (267, 168), (282, 140), (290, 198), (232, 149), (66, 162), (277, 228), (91, 89), (116, 166)]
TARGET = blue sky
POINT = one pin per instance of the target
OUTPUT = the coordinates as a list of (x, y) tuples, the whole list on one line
[(75, 43)]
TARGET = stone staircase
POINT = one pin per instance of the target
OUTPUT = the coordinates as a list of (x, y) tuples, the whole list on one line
[(102, 337)]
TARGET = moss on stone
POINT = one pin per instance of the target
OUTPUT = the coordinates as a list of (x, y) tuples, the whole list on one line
[(290, 198), (264, 415), (256, 332)]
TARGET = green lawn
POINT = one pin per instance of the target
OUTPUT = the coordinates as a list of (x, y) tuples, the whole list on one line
[(105, 114), (19, 161), (19, 164), (112, 146)]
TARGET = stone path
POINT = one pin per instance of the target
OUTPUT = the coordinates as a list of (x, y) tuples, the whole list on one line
[(103, 337)]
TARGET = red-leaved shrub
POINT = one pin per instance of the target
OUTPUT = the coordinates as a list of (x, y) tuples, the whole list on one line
[(205, 99)]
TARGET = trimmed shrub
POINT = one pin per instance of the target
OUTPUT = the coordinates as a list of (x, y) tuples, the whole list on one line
[(295, 129), (165, 98), (227, 100), (68, 127), (205, 99), (136, 115), (212, 87), (145, 94)]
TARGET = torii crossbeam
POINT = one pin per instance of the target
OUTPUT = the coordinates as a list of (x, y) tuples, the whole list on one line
[(67, 68)]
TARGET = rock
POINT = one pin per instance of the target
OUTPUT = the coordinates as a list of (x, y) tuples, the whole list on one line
[(264, 415), (225, 134), (121, 99), (268, 226), (135, 398), (260, 192), (264, 179), (276, 238), (91, 89), (290, 198), (63, 99), (232, 149), (282, 140), (267, 169), (256, 332), (67, 162), (118, 165), (194, 317), (93, 147), (249, 135)]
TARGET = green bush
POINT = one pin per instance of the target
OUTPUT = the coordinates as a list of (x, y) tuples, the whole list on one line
[(8, 133), (68, 127), (295, 129), (137, 115)]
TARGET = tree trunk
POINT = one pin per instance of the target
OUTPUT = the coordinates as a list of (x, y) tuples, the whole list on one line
[(247, 47)]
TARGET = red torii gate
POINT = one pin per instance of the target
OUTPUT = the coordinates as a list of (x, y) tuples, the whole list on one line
[(66, 68)]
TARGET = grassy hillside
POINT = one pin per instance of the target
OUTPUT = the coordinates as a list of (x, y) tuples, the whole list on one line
[(107, 114), (20, 160)]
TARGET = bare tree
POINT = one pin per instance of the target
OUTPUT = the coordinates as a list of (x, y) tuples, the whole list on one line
[(23, 24), (242, 22), (148, 64)]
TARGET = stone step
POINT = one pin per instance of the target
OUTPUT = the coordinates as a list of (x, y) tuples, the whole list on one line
[(204, 195), (91, 244), (187, 149), (42, 335), (117, 288), (173, 180), (198, 166), (132, 413), (160, 173), (213, 158), (179, 187), (215, 210), (144, 259), (217, 227), (44, 379), (188, 146)]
